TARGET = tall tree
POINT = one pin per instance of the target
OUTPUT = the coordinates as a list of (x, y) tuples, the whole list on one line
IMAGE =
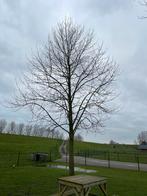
[(69, 83), (12, 127), (3, 124), (142, 137), (20, 128), (28, 129)]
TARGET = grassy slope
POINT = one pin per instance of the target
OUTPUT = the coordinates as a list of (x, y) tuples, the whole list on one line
[(11, 145), (79, 145), (16, 143)]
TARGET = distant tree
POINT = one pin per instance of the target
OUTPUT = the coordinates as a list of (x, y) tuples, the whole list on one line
[(20, 128), (3, 124), (78, 137), (136, 142), (142, 137), (28, 129), (52, 133), (35, 130), (69, 83), (47, 132), (12, 127), (112, 142), (58, 135), (41, 131)]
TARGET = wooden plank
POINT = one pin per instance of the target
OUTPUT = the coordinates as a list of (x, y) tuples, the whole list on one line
[(82, 179)]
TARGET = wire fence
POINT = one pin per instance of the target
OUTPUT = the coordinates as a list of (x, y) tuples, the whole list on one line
[(12, 159), (109, 157), (115, 156)]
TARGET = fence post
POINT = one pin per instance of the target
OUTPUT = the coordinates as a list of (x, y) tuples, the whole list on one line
[(108, 159), (85, 158), (18, 158), (138, 162), (105, 154), (118, 156), (50, 156)]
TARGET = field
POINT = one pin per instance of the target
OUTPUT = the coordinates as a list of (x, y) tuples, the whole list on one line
[(39, 180), (17, 143), (16, 149)]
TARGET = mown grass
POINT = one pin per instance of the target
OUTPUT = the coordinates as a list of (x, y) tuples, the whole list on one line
[(17, 143), (42, 181), (122, 148), (16, 149), (29, 181)]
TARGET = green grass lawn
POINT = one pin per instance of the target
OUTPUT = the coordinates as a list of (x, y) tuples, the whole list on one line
[(42, 181), (17, 143), (12, 146), (79, 145)]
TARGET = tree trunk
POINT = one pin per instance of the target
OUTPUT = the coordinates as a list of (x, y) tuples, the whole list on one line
[(71, 154)]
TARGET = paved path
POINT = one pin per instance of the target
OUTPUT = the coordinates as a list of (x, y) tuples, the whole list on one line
[(62, 149), (105, 163)]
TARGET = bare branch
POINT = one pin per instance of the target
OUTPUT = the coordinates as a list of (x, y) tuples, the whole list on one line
[(69, 82)]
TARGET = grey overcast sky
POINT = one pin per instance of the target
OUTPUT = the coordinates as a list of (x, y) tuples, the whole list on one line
[(25, 25)]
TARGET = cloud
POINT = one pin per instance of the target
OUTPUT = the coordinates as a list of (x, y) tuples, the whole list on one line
[(104, 7)]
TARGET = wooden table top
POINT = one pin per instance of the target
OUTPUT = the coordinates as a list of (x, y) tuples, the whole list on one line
[(82, 179)]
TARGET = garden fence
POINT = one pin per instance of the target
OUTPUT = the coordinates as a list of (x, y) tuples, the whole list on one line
[(12, 159), (131, 157)]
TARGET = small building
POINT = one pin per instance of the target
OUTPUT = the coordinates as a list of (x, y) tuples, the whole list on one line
[(39, 156), (143, 146)]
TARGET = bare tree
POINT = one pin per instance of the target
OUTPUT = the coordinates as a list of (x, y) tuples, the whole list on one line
[(57, 135), (20, 128), (78, 137), (3, 124), (113, 142), (142, 137), (47, 132), (69, 83), (41, 131), (12, 127), (52, 133), (35, 130), (28, 129)]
